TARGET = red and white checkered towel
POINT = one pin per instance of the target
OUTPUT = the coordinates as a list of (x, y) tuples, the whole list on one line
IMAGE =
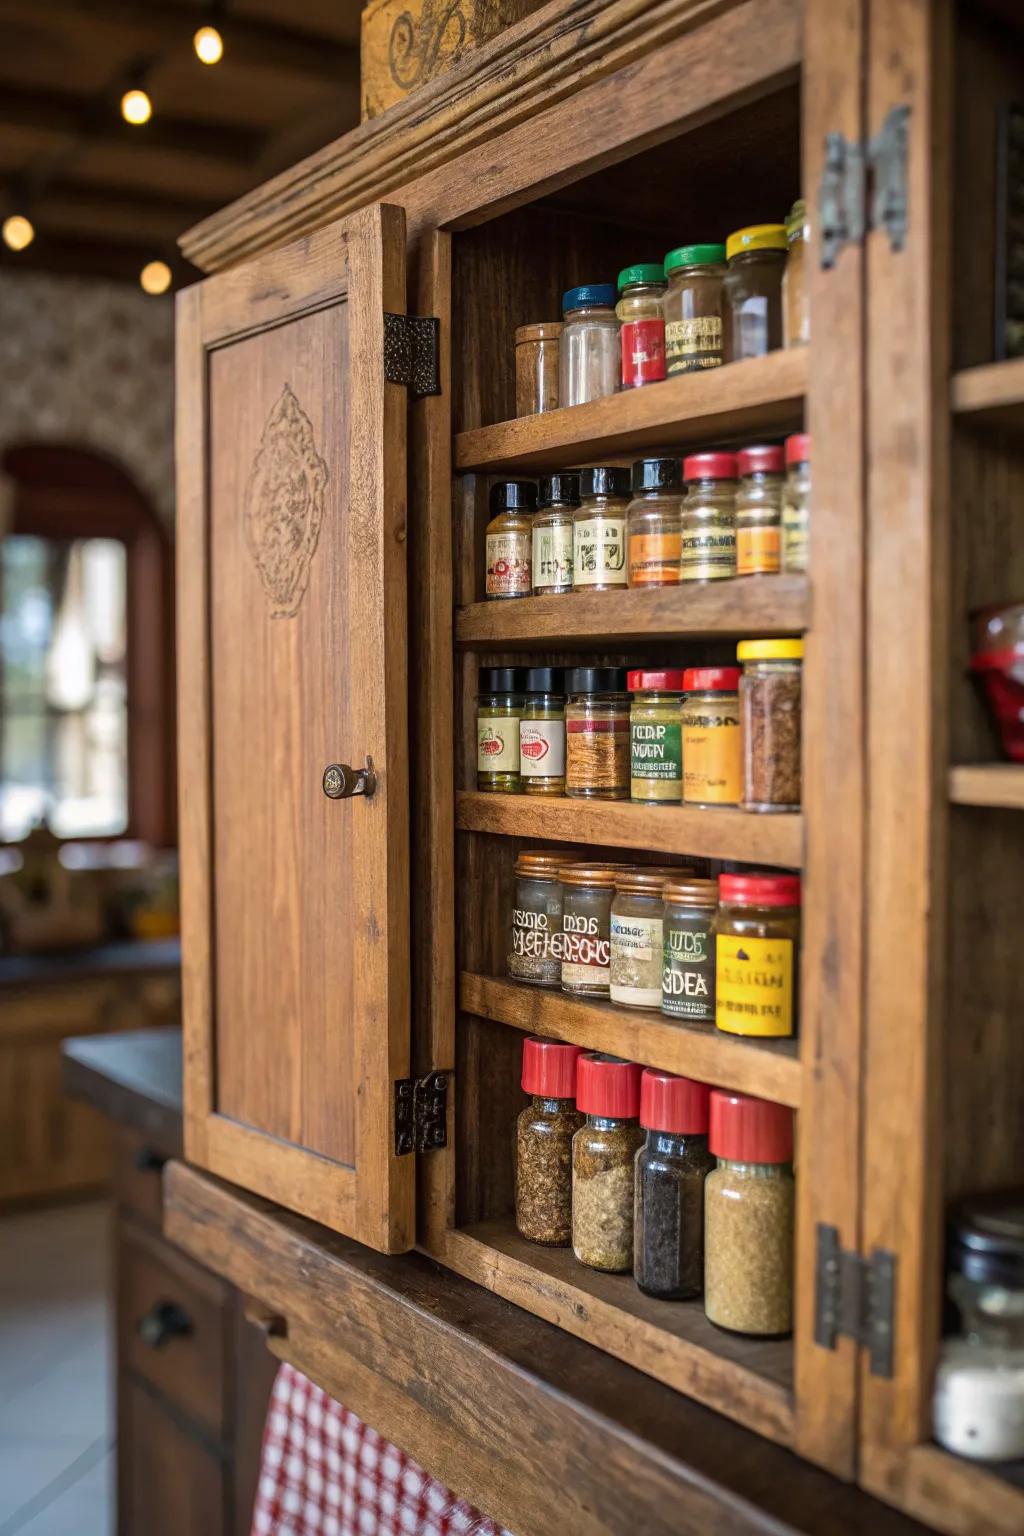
[(324, 1472)]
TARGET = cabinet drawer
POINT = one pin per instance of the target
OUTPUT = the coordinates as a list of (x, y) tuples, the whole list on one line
[(168, 1483), (138, 1166), (173, 1318)]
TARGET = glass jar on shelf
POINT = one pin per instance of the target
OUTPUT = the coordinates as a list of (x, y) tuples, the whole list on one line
[(671, 1169), (558, 499), (642, 324), (544, 1133), (636, 934), (599, 530), (589, 361), (542, 732), (603, 1154), (796, 504), (712, 753), (535, 930), (709, 517), (753, 291), (597, 734), (654, 523), (759, 510), (796, 307), (688, 949), (655, 736), (508, 541), (499, 709), (693, 308), (757, 954), (587, 892), (770, 723), (537, 349)]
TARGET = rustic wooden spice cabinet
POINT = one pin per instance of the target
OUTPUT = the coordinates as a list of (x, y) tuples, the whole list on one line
[(344, 957)]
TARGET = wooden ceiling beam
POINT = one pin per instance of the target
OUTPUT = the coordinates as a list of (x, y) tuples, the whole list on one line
[(90, 210)]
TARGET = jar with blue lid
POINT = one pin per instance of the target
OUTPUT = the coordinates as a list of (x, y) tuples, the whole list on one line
[(589, 360)]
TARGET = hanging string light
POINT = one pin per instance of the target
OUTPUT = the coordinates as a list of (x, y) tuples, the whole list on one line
[(209, 45), (155, 277), (136, 106), (18, 232)]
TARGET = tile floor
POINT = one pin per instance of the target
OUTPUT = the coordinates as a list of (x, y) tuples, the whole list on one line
[(56, 1379)]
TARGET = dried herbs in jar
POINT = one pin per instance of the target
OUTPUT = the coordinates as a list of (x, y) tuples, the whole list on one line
[(603, 1152), (770, 711), (671, 1166), (544, 1133)]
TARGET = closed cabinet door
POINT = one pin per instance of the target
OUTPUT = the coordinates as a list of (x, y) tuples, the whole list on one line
[(293, 734)]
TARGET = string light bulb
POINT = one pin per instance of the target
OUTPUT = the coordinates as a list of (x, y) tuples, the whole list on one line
[(18, 232), (136, 107), (209, 45), (155, 277)]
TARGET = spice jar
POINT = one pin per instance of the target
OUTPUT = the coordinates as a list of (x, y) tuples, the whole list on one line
[(535, 931), (589, 345), (748, 1216), (688, 972), (603, 1151), (796, 305), (587, 892), (542, 732), (552, 534), (597, 734), (709, 517), (509, 539), (753, 291), (654, 523), (770, 691), (671, 1167), (635, 930), (537, 348), (759, 511), (599, 530), (693, 308), (642, 324), (655, 746), (796, 503), (712, 754), (544, 1133), (757, 941), (499, 708)]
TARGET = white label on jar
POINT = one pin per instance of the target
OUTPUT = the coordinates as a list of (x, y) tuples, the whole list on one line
[(497, 744), (509, 571), (585, 954), (635, 960), (599, 552), (552, 557), (542, 748)]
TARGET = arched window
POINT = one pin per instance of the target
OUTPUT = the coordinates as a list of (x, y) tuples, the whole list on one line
[(86, 651)]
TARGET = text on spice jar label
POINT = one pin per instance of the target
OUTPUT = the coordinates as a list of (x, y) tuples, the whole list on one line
[(754, 983)]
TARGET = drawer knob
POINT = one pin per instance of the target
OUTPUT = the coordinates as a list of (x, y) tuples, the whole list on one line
[(166, 1321), (342, 782)]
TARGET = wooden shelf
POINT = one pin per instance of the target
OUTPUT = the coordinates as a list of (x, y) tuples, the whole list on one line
[(991, 395), (750, 605), (995, 784), (751, 1380), (710, 834), (769, 1069), (761, 397)]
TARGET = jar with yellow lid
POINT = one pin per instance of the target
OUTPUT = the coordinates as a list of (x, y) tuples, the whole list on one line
[(752, 291), (796, 306), (770, 714)]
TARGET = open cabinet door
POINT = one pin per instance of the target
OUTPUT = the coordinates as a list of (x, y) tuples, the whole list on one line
[(292, 658)]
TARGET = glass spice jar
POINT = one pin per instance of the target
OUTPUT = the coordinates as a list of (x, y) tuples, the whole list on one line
[(635, 934), (537, 349), (654, 523), (759, 511), (552, 534), (589, 345), (796, 504), (535, 930), (770, 694), (597, 734), (688, 972), (544, 1133), (508, 541), (748, 1216), (642, 324), (693, 308), (587, 892), (655, 742), (796, 307), (603, 1153), (712, 752), (499, 708), (709, 517), (542, 732), (757, 942), (671, 1167), (752, 291), (599, 530)]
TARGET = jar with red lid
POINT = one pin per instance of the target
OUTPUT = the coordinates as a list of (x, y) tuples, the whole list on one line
[(603, 1152), (712, 751), (671, 1166), (796, 503), (709, 517), (748, 1216), (655, 754), (759, 510), (757, 952), (544, 1133)]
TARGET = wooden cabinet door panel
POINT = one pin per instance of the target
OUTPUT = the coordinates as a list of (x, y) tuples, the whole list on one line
[(292, 655)]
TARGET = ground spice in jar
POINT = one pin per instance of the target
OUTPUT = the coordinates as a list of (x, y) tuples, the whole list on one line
[(587, 892), (542, 732), (712, 751), (537, 348), (642, 329), (748, 1216), (597, 734), (508, 541), (535, 930), (757, 939), (603, 1153), (544, 1133), (770, 717), (688, 950), (635, 933), (671, 1167), (759, 511), (654, 523)]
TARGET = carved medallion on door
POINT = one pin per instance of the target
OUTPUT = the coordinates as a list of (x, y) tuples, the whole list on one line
[(284, 504)]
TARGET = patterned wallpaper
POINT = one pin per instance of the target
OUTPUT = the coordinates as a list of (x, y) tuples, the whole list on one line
[(90, 364)]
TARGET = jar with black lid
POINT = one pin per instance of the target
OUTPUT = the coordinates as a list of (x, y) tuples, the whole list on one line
[(552, 534), (508, 541), (597, 734), (671, 1167), (542, 732), (654, 523), (499, 709), (599, 530)]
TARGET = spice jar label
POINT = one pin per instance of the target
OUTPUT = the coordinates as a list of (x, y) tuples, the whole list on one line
[(586, 955), (794, 537), (636, 944), (758, 551), (754, 985), (552, 557), (693, 344), (655, 753), (654, 559), (599, 552), (532, 936), (712, 760), (709, 556), (508, 565), (686, 979), (497, 744), (542, 746), (643, 352)]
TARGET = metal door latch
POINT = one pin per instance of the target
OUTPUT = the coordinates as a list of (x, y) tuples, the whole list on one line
[(421, 1113), (342, 782), (844, 216), (411, 353), (855, 1298)]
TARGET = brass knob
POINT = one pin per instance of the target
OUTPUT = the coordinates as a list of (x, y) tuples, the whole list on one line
[(342, 782)]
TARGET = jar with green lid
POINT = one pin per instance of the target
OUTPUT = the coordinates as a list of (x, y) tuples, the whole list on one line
[(599, 530), (642, 324), (587, 892), (712, 751), (770, 723), (603, 1154), (508, 539), (688, 949), (759, 511), (542, 732), (635, 933), (499, 709), (655, 737), (709, 517), (552, 534), (654, 523), (693, 308), (796, 297), (796, 504), (597, 734), (535, 930), (753, 291), (757, 943)]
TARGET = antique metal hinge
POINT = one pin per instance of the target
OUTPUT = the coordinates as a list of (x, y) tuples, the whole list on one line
[(421, 1113), (411, 352), (855, 1298), (851, 170)]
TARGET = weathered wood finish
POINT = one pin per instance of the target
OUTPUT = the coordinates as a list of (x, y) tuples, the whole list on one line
[(999, 784)]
